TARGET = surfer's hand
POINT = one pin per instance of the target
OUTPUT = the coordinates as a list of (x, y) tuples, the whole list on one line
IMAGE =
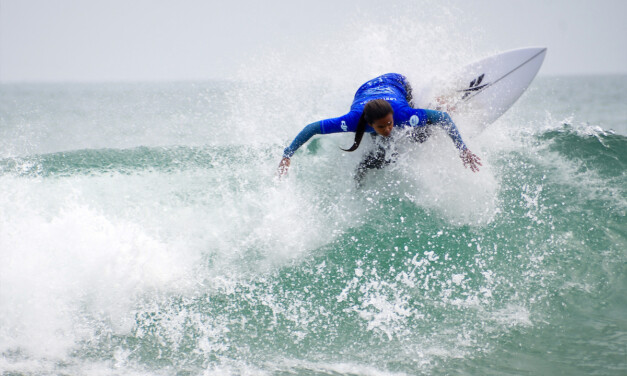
[(470, 160), (284, 165)]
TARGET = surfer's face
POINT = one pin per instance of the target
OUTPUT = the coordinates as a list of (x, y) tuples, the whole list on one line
[(384, 125)]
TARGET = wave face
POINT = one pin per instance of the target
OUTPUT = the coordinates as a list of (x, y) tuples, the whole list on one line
[(142, 231)]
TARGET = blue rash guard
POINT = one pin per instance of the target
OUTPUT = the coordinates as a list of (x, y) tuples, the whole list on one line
[(393, 88)]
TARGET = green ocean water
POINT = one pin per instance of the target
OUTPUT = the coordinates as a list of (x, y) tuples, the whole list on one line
[(142, 231)]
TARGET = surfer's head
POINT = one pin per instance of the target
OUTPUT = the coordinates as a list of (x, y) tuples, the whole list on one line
[(379, 115)]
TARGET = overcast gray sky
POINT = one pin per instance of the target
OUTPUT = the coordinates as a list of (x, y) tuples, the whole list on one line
[(138, 40)]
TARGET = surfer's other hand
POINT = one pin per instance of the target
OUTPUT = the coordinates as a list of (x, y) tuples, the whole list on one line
[(284, 165), (470, 160)]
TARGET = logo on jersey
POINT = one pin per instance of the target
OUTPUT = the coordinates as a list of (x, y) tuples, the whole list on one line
[(344, 126), (414, 120)]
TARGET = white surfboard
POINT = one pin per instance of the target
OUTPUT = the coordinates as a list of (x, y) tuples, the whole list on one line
[(482, 91)]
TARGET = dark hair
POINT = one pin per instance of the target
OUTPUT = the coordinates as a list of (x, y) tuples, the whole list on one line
[(373, 111)]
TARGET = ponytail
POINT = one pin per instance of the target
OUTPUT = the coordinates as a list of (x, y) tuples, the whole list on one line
[(373, 111), (359, 133)]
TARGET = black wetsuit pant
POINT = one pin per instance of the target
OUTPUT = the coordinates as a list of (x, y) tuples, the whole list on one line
[(380, 156)]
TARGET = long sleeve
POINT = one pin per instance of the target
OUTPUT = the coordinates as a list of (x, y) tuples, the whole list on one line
[(444, 120), (308, 132)]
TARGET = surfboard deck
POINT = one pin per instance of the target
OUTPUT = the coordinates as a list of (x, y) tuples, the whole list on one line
[(484, 90)]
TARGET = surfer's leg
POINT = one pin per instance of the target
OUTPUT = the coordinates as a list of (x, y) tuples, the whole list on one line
[(376, 158), (409, 96), (420, 134)]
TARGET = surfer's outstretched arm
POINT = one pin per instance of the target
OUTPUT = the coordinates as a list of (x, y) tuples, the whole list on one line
[(444, 120), (308, 132)]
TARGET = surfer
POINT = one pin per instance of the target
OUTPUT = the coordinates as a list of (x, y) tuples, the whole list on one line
[(379, 106)]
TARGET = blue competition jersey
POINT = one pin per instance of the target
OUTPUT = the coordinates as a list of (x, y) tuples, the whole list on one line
[(393, 88)]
